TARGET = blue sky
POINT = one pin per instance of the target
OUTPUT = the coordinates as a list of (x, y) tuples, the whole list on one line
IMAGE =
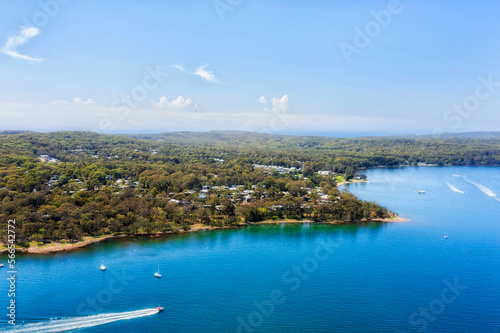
[(289, 67)]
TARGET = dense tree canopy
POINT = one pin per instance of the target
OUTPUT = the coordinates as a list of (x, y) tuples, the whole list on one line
[(69, 184)]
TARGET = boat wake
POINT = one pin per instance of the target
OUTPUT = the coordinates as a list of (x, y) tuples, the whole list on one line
[(453, 188), (61, 325), (483, 188)]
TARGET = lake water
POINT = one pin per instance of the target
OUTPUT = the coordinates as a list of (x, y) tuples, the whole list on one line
[(369, 277)]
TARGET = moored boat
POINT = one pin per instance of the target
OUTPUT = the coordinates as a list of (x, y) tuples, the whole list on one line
[(103, 268), (157, 274)]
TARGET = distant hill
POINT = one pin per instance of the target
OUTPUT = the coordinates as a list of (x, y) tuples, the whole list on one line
[(465, 135), (242, 138), (256, 148)]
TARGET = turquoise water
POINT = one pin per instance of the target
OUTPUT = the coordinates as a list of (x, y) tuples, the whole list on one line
[(369, 277)]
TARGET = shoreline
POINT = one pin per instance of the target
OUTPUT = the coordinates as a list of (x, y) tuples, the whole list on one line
[(69, 247), (353, 182)]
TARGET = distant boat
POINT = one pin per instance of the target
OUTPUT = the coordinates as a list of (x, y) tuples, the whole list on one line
[(1, 265), (445, 237), (103, 268), (160, 309), (158, 275), (421, 192)]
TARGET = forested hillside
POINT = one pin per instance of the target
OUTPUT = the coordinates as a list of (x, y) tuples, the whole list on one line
[(67, 185), (451, 149)]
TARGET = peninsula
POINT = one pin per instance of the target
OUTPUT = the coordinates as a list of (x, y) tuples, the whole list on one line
[(66, 190)]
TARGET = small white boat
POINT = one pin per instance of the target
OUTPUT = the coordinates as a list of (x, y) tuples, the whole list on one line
[(159, 309), (421, 192), (157, 274), (445, 237), (1, 265), (103, 268)]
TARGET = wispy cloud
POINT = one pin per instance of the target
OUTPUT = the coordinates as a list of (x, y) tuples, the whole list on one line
[(76, 101), (14, 42), (179, 67), (205, 74), (179, 103)]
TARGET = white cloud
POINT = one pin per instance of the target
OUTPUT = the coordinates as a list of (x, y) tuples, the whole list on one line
[(278, 105), (70, 116), (179, 67), (14, 42), (179, 103), (205, 74), (76, 101)]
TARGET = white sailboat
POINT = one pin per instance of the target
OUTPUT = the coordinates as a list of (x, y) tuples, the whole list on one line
[(103, 268), (157, 274)]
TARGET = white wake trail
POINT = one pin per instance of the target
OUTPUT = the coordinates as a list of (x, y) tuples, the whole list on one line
[(483, 188), (61, 325), (453, 188)]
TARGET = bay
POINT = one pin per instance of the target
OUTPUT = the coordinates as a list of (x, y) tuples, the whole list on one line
[(365, 277)]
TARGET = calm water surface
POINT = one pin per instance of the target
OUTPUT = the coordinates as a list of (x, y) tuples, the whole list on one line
[(368, 277)]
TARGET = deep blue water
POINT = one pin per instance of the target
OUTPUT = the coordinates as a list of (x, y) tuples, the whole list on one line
[(369, 277)]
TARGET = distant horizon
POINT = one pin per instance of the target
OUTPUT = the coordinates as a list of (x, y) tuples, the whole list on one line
[(302, 134), (383, 67)]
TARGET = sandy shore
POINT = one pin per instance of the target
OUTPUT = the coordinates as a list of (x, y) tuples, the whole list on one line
[(61, 247), (386, 220), (394, 219), (353, 181), (66, 247)]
